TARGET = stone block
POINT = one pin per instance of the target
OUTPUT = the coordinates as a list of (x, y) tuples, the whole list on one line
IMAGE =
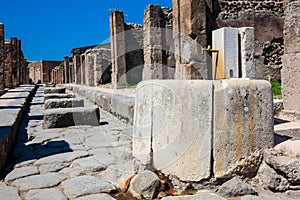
[(172, 127), (58, 90), (63, 103), (290, 75), (64, 117), (247, 52), (225, 62), (15, 95), (243, 124), (292, 26), (58, 96)]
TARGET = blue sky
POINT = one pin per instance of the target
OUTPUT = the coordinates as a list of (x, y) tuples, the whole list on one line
[(49, 29)]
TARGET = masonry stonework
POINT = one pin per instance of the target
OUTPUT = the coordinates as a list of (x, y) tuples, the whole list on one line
[(291, 60), (158, 43)]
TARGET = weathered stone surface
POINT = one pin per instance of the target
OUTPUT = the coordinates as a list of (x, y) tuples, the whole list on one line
[(21, 173), (39, 181), (269, 179), (225, 40), (58, 96), (202, 195), (290, 75), (46, 194), (289, 166), (63, 103), (291, 26), (96, 197), (236, 187), (118, 48), (64, 117), (168, 121), (1, 58), (52, 167), (8, 193), (158, 44), (91, 164), (290, 148), (145, 185), (61, 158), (191, 34), (247, 51), (243, 125), (57, 90), (85, 185)]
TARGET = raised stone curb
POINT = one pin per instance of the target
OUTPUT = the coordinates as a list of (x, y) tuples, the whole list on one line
[(118, 104), (51, 90), (58, 96), (13, 105), (64, 117), (63, 103)]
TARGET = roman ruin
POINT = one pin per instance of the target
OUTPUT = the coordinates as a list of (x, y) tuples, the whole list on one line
[(291, 58), (180, 107)]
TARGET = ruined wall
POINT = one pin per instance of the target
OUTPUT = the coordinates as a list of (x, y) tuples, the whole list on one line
[(267, 19), (134, 56), (192, 26), (99, 64), (291, 59), (1, 57), (40, 71), (158, 43), (11, 62)]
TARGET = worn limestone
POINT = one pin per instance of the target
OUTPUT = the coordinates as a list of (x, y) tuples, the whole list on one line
[(236, 187), (145, 185), (169, 133), (63, 103), (291, 59), (243, 125), (64, 117)]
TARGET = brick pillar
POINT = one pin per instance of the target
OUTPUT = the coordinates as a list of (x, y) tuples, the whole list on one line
[(118, 49), (190, 36), (82, 69), (8, 65), (77, 66), (67, 69), (1, 57), (153, 39), (290, 73)]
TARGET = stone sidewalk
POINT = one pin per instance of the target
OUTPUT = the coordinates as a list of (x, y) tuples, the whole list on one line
[(80, 162)]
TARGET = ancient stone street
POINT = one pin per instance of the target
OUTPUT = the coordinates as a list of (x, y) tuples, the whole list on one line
[(46, 163)]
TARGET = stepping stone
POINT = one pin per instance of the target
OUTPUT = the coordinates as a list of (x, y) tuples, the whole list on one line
[(52, 90), (63, 103), (58, 96), (65, 117)]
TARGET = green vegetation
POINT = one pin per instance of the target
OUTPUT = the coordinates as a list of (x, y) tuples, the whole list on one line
[(127, 85), (276, 88), (62, 66)]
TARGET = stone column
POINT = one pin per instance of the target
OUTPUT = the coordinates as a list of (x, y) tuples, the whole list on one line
[(67, 69), (1, 57), (153, 48), (290, 73), (77, 71), (7, 70), (82, 69), (191, 34), (118, 49)]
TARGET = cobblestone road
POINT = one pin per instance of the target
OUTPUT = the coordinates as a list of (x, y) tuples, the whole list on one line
[(80, 162)]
